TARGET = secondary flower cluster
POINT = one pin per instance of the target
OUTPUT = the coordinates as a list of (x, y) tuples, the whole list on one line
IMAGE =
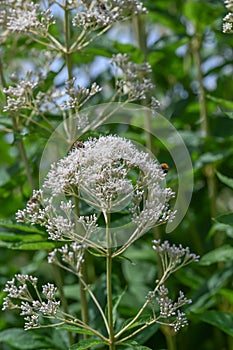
[(68, 255), (169, 311), (21, 95), (78, 96), (228, 19), (173, 257), (97, 14), (132, 79), (23, 288), (58, 219), (25, 16)]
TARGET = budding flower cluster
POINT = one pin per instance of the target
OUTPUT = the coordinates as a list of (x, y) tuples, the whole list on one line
[(20, 96), (173, 257), (20, 296), (97, 14), (70, 255), (78, 96), (169, 309), (135, 80)]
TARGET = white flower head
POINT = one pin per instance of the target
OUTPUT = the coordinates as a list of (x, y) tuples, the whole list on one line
[(106, 175), (111, 174)]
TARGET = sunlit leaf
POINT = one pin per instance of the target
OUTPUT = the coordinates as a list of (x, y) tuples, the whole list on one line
[(222, 254)]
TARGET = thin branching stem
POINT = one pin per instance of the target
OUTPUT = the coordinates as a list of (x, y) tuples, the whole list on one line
[(109, 282)]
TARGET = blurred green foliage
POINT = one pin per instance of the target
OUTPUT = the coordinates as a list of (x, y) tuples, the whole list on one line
[(192, 62)]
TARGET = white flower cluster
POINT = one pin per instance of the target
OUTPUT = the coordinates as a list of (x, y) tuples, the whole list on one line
[(21, 95), (20, 288), (133, 79), (228, 19), (25, 16), (57, 217), (69, 255), (41, 211), (109, 174), (96, 14), (99, 172)]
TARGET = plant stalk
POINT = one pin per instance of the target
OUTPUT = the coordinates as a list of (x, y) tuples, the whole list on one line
[(205, 128), (109, 283), (83, 271)]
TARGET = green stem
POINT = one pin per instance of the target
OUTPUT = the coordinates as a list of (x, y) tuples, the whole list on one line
[(109, 283), (23, 155), (67, 43), (196, 46), (83, 296), (209, 168), (141, 37), (59, 284)]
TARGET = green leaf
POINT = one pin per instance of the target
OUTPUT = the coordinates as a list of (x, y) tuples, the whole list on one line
[(227, 229), (221, 101), (205, 294), (226, 219), (219, 319), (222, 254), (23, 340), (228, 294), (34, 245), (20, 227), (135, 346), (199, 12), (74, 329), (87, 343), (16, 237), (116, 302), (26, 242), (224, 179)]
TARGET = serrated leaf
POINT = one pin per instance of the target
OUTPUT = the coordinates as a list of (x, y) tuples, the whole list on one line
[(86, 344), (219, 319), (222, 254), (224, 179)]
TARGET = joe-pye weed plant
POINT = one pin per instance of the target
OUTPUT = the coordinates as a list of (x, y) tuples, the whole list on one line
[(98, 178)]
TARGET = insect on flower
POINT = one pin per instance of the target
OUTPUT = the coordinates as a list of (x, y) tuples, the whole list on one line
[(78, 144), (165, 167)]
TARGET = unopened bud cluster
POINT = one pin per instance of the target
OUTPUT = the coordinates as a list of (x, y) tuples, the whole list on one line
[(22, 294)]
